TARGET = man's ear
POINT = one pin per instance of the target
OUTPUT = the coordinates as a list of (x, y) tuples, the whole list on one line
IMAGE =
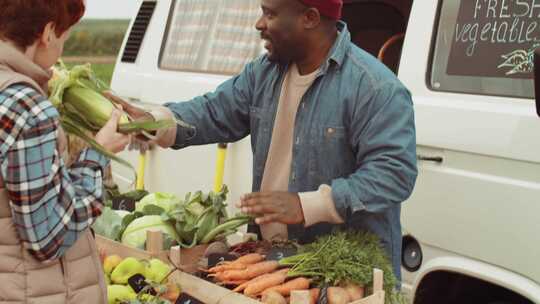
[(312, 18), (47, 35)]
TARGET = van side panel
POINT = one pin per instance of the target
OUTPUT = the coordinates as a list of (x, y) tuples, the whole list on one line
[(482, 200)]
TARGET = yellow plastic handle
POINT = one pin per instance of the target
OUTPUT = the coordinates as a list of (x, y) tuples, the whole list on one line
[(220, 167), (140, 171)]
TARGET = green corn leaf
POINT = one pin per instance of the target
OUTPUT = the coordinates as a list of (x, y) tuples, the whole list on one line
[(138, 126), (71, 128)]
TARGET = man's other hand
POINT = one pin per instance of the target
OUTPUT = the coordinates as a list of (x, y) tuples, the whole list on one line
[(268, 207)]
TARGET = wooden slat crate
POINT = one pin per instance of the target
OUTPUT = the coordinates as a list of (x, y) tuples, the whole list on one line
[(152, 249), (205, 291), (184, 259), (208, 292), (302, 296)]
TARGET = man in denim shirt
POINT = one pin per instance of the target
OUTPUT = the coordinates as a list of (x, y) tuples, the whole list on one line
[(332, 129)]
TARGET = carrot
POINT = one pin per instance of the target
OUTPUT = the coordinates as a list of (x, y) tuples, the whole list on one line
[(314, 293), (272, 279), (235, 282), (286, 288), (251, 258), (238, 264), (250, 272), (337, 295), (231, 266), (241, 287)]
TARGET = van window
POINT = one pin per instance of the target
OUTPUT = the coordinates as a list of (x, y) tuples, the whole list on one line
[(486, 47), (212, 36), (378, 27)]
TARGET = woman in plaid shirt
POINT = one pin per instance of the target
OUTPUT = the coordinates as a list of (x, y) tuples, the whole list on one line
[(52, 206)]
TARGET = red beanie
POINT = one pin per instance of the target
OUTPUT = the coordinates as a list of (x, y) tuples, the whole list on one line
[(328, 8)]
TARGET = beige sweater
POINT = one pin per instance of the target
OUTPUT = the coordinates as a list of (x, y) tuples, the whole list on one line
[(317, 206)]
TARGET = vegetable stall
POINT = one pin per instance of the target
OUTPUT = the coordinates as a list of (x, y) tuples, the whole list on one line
[(193, 235), (160, 248)]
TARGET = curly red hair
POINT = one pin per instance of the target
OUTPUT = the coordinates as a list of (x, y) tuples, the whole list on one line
[(22, 21)]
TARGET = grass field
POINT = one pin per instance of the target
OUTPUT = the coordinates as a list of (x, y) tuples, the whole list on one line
[(97, 42), (96, 38), (100, 25), (103, 71)]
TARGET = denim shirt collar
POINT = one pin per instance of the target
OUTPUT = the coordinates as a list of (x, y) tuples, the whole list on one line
[(340, 48), (337, 52)]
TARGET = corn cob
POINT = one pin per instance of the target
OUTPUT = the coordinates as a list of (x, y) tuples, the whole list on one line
[(76, 94), (98, 108)]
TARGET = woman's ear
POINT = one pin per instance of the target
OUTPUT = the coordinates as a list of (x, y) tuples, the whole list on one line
[(47, 35)]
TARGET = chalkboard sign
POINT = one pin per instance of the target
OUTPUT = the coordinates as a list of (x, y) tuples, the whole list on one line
[(278, 253), (187, 299), (138, 283), (216, 258), (123, 203), (495, 38)]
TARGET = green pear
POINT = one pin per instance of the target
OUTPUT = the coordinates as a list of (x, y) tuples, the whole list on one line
[(119, 293), (110, 263), (126, 269), (157, 270)]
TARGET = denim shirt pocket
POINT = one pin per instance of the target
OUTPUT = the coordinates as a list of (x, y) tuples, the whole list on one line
[(333, 134), (328, 145)]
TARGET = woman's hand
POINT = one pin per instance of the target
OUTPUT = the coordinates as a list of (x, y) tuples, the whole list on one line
[(164, 138), (109, 137)]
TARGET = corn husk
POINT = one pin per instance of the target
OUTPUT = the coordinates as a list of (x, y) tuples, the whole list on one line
[(76, 93)]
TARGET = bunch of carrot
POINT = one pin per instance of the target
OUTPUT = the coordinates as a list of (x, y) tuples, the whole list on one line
[(254, 276)]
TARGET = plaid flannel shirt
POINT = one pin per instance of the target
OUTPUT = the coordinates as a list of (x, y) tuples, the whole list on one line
[(51, 204)]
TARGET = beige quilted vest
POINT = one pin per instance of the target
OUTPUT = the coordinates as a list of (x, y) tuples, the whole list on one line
[(77, 278)]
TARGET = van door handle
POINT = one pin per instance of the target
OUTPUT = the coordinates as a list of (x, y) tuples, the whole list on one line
[(436, 159)]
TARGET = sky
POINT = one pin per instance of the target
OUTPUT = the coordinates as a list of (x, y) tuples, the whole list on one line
[(111, 9)]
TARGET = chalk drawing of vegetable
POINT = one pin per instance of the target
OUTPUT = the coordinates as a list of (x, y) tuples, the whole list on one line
[(519, 61)]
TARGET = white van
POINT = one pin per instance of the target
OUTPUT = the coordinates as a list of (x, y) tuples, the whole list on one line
[(472, 225)]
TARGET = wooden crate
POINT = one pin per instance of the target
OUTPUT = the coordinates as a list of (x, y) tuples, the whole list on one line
[(153, 247), (378, 292), (183, 259), (208, 292), (205, 291), (302, 296)]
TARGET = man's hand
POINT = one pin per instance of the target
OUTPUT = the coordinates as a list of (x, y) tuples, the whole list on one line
[(134, 112), (267, 207), (136, 142), (163, 137)]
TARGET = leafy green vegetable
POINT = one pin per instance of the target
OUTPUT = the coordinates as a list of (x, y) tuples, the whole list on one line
[(135, 233), (197, 215), (109, 224), (161, 199), (201, 218)]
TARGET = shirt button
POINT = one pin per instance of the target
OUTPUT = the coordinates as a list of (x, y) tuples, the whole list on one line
[(298, 140)]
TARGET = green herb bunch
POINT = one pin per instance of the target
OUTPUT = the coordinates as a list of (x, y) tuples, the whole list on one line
[(344, 257)]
